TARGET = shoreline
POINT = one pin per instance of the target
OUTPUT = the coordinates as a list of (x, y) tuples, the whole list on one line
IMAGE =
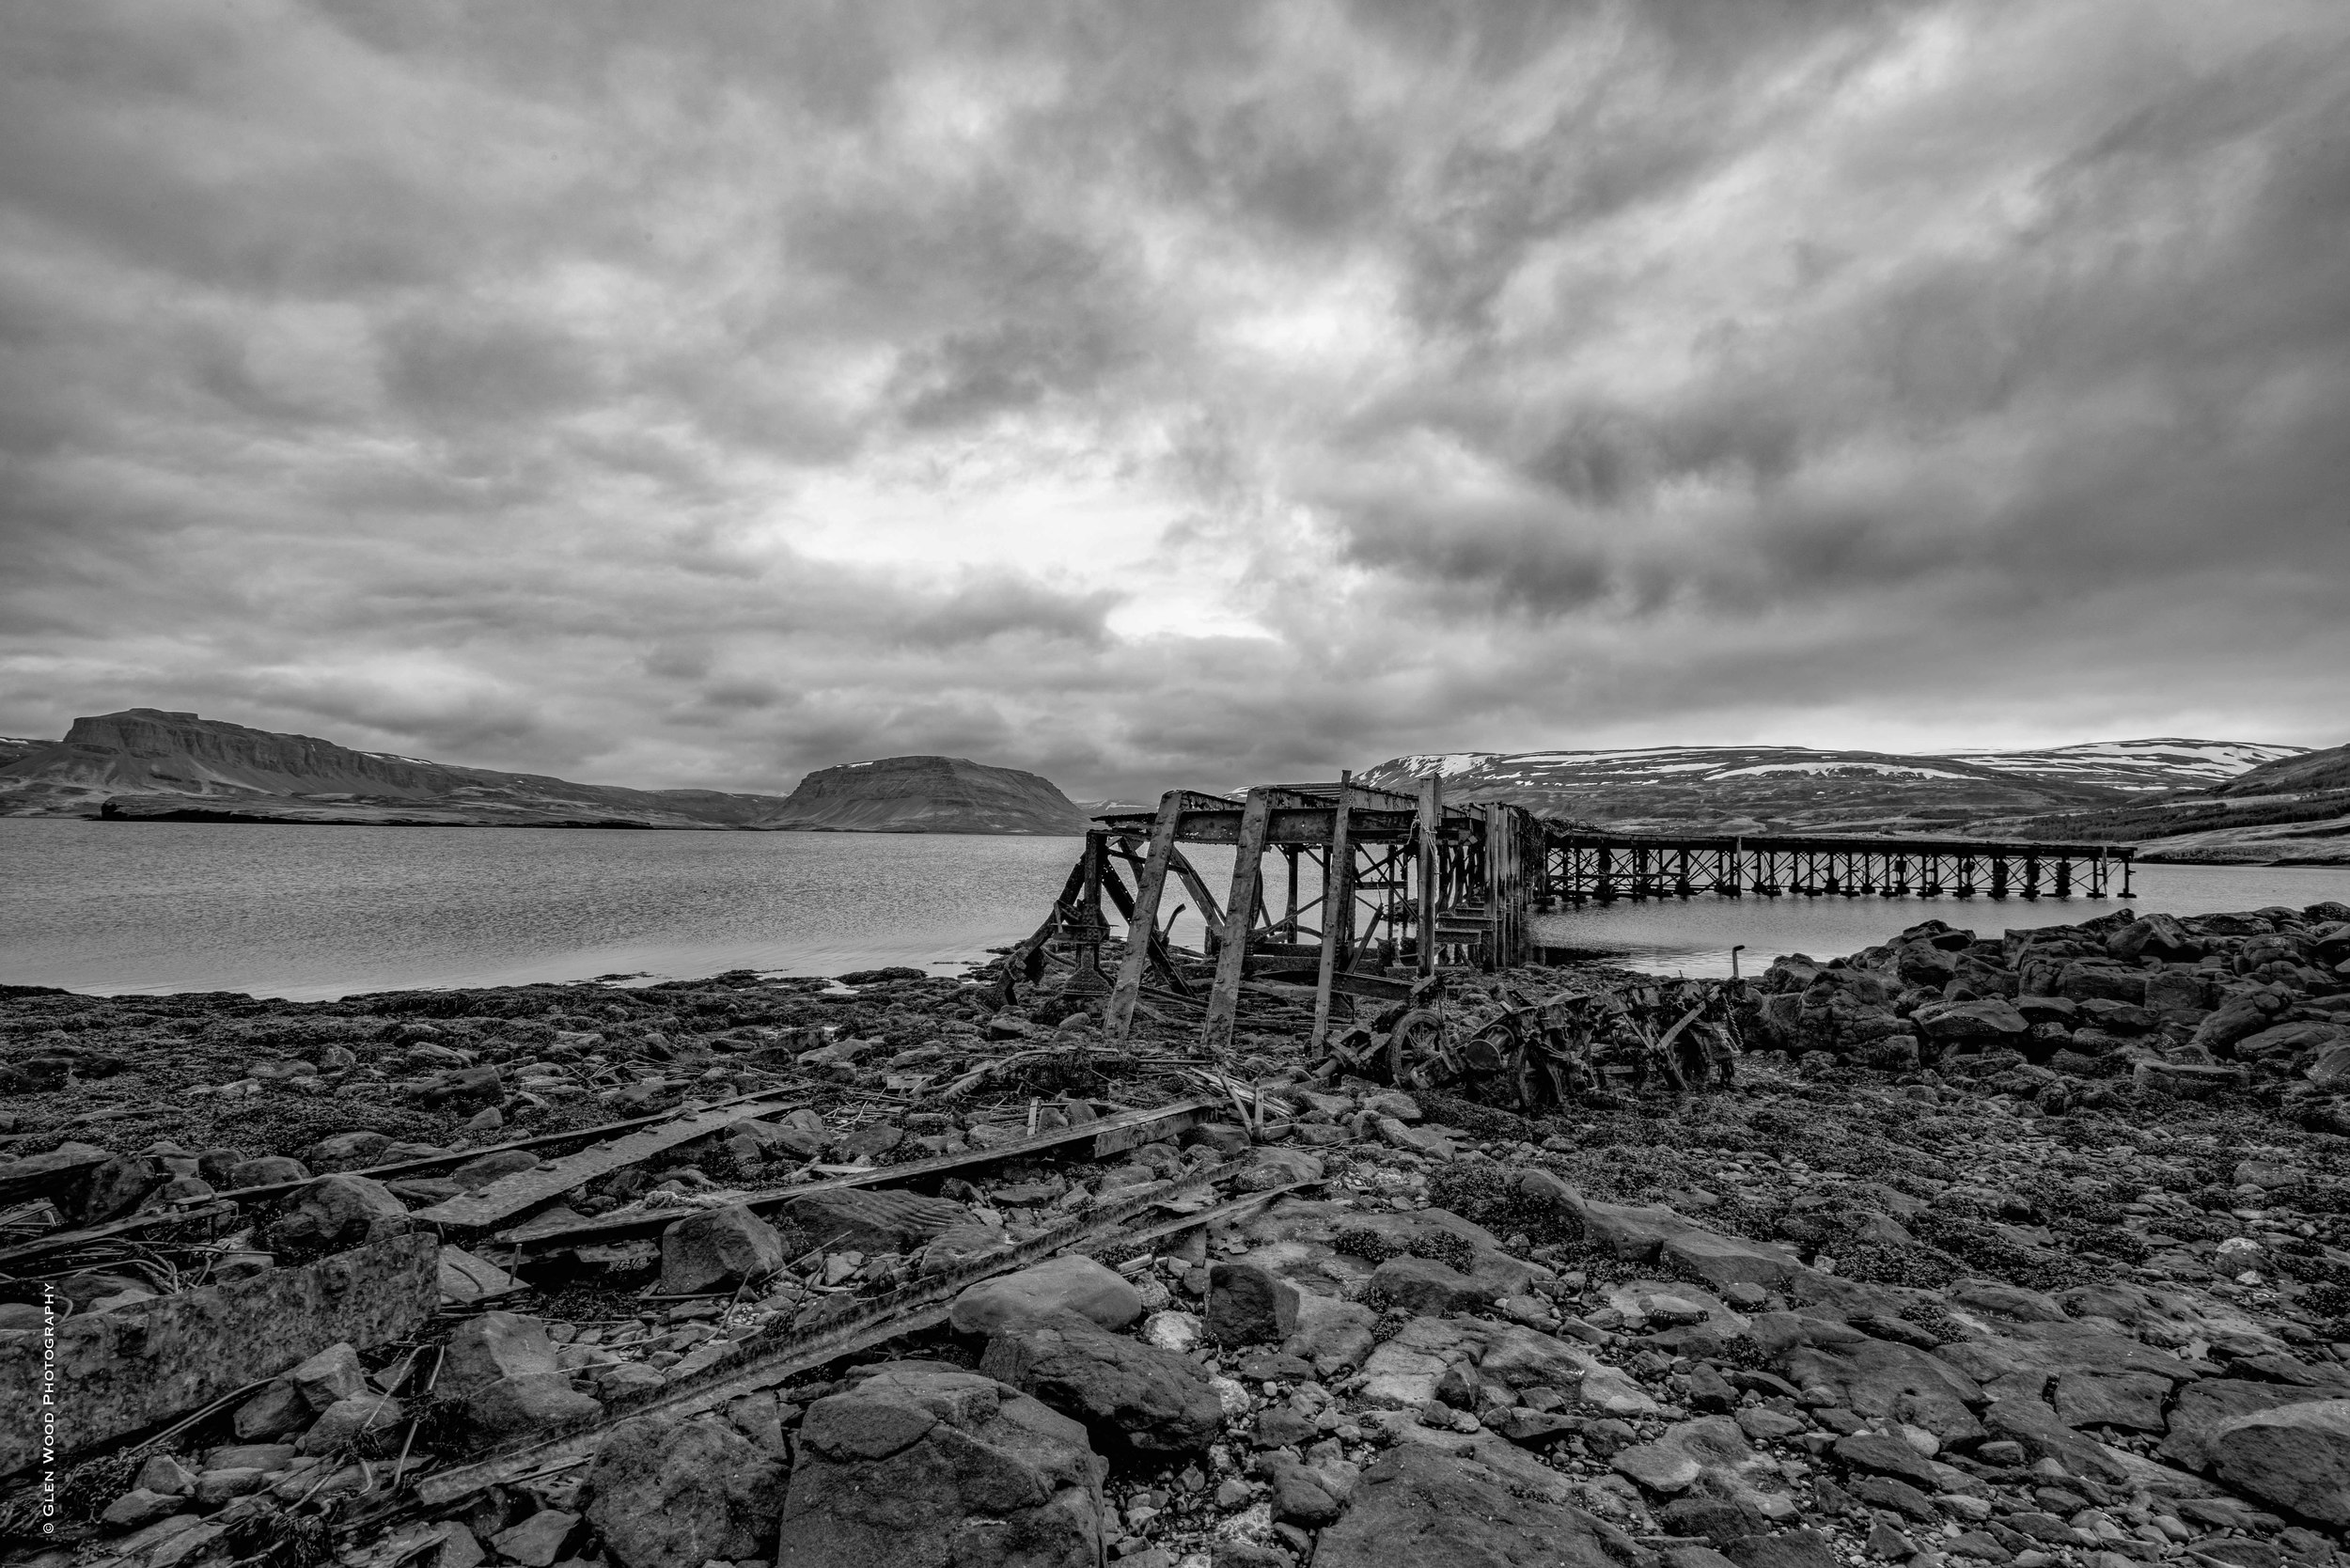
[(2083, 1258)]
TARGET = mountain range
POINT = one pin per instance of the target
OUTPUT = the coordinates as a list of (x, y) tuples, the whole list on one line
[(147, 764), (2175, 799), (2179, 799)]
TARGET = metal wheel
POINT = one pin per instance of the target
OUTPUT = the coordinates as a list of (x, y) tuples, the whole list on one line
[(1416, 1053)]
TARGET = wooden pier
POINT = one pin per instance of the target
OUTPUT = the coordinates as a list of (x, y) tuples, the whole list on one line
[(1584, 868), (1371, 889)]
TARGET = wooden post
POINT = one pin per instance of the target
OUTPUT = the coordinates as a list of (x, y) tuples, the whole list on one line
[(1337, 907), (1142, 930), (1430, 825), (1232, 958), (1086, 928)]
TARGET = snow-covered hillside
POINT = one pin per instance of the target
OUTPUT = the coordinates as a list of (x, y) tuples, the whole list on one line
[(1743, 789), (2157, 764)]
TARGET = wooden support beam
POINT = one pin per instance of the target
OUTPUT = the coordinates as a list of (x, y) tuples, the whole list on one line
[(1123, 902), (1232, 958), (1338, 912), (1145, 919), (1430, 825)]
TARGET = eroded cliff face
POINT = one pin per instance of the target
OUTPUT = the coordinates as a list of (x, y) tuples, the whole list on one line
[(927, 794)]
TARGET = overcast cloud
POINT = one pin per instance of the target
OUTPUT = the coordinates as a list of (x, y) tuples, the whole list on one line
[(1175, 393)]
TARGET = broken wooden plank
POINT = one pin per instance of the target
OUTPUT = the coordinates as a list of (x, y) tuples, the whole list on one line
[(1232, 958), (523, 1190), (466, 1279), (65, 1241), (773, 1357), (1126, 1130), (1147, 888), (428, 1163), (1230, 1209)]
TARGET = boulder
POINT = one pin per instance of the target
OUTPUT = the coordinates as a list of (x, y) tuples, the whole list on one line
[(2289, 1042), (347, 1151), (360, 1422), (852, 1219), (1128, 1394), (1874, 1453), (1725, 1260), (2295, 1457), (951, 1249), (267, 1171), (2156, 937), (2206, 1406), (678, 1495), (1248, 1304), (483, 1349), (2000, 1299), (717, 1248), (1424, 1286), (2126, 1399), (2082, 980), (1714, 1451), (337, 1213), (333, 1374), (513, 1405), (2239, 1018), (1878, 1377), (1420, 1505), (2036, 1429), (923, 1465), (278, 1411), (1073, 1283), (537, 1542), (504, 1367), (1987, 1019), (1331, 1334), (1307, 1496)]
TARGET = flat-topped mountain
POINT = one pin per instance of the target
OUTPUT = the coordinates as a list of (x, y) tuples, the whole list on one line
[(926, 795), (146, 763)]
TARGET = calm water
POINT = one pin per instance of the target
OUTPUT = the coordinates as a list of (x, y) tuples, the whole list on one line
[(315, 912)]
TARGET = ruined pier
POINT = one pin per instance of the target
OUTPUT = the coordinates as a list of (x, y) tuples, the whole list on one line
[(1584, 866), (1355, 891)]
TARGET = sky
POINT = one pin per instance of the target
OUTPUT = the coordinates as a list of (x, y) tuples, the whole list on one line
[(1160, 394)]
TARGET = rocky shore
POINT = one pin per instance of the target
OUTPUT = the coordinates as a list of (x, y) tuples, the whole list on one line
[(2024, 1249)]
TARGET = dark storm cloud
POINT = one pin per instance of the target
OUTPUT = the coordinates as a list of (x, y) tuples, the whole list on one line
[(1152, 393)]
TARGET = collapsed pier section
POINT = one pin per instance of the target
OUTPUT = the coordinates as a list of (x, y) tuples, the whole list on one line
[(1371, 889)]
